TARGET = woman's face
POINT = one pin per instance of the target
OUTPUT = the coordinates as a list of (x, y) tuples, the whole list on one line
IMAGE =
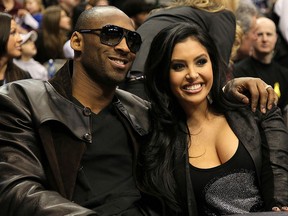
[(13, 45), (191, 73), (65, 21)]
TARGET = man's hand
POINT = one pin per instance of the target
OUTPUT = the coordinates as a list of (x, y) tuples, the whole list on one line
[(278, 209), (253, 91)]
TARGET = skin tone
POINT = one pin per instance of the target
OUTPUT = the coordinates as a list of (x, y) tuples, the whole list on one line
[(8, 4), (191, 78), (28, 50), (65, 21), (99, 68), (13, 48), (248, 40), (266, 40), (102, 3), (32, 6), (212, 142)]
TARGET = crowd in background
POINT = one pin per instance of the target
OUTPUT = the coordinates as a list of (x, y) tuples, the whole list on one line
[(46, 26), (188, 147)]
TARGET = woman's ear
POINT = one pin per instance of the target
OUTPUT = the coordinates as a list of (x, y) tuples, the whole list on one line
[(76, 41)]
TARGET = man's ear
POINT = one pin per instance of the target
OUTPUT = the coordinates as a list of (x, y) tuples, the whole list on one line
[(76, 41)]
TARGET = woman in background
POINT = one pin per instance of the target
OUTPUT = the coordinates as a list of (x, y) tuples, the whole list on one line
[(206, 154), (56, 25), (10, 48)]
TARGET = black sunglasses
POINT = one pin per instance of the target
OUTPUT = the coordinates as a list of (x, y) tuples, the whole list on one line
[(112, 35)]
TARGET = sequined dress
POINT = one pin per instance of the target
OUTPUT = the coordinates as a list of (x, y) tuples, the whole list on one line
[(229, 188)]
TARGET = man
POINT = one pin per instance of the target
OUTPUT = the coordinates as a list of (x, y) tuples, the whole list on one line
[(246, 15), (261, 63), (69, 146)]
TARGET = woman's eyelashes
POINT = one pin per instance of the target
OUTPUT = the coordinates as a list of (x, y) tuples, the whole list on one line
[(177, 66)]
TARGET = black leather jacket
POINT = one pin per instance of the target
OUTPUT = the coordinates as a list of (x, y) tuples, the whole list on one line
[(43, 136), (268, 150)]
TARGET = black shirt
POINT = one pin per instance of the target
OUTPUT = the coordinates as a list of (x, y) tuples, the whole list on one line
[(105, 182), (229, 188), (272, 74)]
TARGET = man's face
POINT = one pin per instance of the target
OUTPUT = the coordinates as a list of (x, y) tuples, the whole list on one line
[(106, 64), (248, 39), (266, 36)]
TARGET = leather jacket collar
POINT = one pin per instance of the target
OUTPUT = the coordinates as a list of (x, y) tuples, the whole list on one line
[(132, 107)]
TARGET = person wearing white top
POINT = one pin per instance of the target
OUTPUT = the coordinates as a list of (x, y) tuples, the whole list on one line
[(281, 9), (26, 61)]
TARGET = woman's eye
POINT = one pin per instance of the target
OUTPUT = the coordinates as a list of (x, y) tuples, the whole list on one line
[(13, 32), (201, 62), (177, 67)]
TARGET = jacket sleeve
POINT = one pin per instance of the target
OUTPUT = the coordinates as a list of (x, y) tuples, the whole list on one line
[(276, 135), (24, 189)]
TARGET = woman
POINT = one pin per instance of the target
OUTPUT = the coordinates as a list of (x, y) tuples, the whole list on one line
[(210, 14), (10, 48), (206, 155), (55, 28)]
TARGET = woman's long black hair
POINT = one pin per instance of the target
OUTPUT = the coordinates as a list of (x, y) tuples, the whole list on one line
[(169, 129), (5, 24)]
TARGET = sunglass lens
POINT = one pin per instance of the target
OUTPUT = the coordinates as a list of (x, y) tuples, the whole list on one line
[(111, 35), (134, 41)]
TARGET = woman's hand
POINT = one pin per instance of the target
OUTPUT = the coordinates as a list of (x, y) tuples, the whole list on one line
[(251, 90)]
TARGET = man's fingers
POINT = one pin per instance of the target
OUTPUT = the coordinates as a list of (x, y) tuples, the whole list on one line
[(276, 209)]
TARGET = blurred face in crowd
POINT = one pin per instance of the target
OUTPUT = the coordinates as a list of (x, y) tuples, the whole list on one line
[(29, 49), (13, 45), (70, 3), (191, 73), (248, 39), (33, 6), (65, 21), (102, 3), (266, 36)]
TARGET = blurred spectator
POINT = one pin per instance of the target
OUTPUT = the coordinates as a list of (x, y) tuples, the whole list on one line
[(68, 5), (26, 61), (261, 63), (94, 3), (10, 48), (281, 9), (10, 6), (53, 35), (137, 10), (67, 50), (280, 16), (31, 14), (77, 10), (246, 15)]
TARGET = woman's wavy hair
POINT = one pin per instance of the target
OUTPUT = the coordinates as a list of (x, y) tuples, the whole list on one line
[(169, 128), (5, 22)]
